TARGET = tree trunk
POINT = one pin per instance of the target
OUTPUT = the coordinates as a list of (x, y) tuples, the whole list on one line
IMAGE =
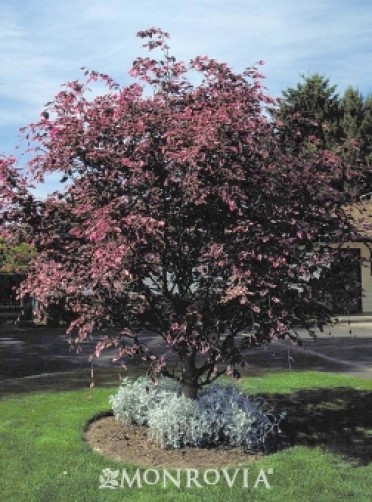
[(189, 381), (190, 389)]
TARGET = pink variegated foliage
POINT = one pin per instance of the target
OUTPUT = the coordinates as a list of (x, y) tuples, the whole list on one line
[(182, 213)]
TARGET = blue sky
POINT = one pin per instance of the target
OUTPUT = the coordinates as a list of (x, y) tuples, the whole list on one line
[(43, 43)]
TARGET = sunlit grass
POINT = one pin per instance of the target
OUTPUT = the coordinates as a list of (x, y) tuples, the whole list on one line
[(288, 381)]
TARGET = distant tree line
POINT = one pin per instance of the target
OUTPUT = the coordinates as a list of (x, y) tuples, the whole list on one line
[(315, 116)]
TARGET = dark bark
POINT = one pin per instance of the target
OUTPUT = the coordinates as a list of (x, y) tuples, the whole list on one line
[(190, 376)]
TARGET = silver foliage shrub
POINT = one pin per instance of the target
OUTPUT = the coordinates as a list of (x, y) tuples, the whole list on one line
[(220, 415)]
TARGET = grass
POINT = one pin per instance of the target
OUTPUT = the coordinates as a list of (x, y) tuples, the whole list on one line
[(43, 456), (289, 381)]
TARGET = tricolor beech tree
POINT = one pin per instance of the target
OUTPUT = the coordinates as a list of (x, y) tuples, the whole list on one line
[(180, 213)]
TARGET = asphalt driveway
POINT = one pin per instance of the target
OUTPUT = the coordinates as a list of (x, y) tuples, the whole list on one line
[(39, 357)]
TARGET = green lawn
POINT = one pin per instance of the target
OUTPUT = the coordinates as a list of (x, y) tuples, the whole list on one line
[(43, 456)]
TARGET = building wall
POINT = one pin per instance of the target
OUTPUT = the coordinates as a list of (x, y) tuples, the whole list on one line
[(366, 275), (366, 279)]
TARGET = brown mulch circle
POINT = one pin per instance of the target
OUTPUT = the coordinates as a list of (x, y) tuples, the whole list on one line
[(115, 441)]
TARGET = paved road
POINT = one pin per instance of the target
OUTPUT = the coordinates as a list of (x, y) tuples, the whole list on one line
[(40, 357)]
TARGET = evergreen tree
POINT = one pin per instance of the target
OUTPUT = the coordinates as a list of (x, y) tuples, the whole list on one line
[(352, 114), (313, 109), (366, 130), (315, 117)]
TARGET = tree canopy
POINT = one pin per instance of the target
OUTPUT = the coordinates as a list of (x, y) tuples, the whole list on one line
[(182, 214)]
